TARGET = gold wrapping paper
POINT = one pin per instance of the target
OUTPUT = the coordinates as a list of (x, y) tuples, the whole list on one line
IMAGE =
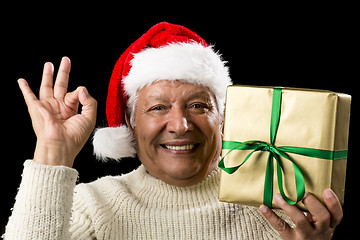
[(309, 118)]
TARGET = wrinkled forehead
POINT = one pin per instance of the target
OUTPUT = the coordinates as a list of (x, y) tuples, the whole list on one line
[(178, 88)]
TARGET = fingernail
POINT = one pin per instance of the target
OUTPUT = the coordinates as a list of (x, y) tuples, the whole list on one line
[(278, 198), (65, 58), (21, 81), (50, 66), (264, 209), (328, 193)]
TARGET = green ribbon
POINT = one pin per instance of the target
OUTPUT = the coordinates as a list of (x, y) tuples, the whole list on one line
[(275, 153)]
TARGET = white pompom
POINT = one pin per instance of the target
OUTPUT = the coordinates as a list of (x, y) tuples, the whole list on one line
[(113, 142)]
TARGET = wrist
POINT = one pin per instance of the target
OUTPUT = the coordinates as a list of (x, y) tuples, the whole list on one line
[(52, 153)]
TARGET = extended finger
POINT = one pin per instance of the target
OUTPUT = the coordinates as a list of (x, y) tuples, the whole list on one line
[(46, 87), (29, 96), (279, 224), (333, 205), (320, 214), (62, 79)]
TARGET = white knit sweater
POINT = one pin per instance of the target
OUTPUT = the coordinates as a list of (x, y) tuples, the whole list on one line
[(132, 206)]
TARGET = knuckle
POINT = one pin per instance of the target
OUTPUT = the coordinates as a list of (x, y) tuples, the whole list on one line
[(61, 84), (80, 88), (340, 216), (301, 223), (336, 220), (332, 203), (325, 216), (93, 103), (280, 225)]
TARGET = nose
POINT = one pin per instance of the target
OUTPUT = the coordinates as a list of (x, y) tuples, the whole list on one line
[(178, 121)]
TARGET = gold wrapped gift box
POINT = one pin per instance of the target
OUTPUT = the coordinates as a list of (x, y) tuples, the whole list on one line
[(310, 119)]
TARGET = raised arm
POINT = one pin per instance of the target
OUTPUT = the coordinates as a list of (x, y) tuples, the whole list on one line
[(44, 201)]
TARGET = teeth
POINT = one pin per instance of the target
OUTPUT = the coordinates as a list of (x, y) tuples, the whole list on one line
[(180, 148)]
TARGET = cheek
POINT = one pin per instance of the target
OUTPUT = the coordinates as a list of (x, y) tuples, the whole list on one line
[(217, 142), (211, 129), (211, 124), (146, 131)]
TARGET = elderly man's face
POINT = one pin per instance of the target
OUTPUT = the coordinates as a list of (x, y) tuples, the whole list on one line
[(178, 131)]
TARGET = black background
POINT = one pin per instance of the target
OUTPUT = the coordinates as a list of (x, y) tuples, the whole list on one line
[(304, 46)]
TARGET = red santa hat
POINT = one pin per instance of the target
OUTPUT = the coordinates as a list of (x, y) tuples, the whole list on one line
[(165, 52)]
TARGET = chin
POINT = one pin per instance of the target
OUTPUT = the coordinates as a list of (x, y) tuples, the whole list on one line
[(183, 171)]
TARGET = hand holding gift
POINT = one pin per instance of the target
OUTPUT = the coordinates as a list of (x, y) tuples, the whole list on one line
[(319, 223)]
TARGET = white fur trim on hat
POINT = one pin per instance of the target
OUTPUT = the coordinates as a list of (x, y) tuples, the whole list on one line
[(188, 62), (113, 142)]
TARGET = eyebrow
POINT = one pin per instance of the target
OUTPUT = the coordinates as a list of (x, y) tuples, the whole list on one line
[(201, 93)]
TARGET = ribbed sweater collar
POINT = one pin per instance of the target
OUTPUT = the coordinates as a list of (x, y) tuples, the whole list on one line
[(153, 191)]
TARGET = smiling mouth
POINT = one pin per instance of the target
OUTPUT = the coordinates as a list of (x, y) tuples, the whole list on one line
[(186, 147)]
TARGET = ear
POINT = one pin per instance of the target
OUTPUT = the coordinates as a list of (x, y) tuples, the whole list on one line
[(221, 128), (127, 120), (222, 119)]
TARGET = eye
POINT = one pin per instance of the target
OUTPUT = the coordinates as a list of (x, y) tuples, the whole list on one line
[(197, 105), (157, 108)]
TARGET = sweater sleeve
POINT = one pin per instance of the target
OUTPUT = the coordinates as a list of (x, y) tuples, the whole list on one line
[(43, 203)]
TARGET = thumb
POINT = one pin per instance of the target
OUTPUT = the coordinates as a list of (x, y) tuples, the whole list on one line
[(89, 105)]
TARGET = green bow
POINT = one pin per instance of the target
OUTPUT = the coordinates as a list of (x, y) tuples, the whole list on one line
[(276, 153)]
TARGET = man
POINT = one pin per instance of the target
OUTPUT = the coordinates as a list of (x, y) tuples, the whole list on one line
[(169, 88)]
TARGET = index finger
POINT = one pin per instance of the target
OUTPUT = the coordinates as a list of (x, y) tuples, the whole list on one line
[(278, 223)]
